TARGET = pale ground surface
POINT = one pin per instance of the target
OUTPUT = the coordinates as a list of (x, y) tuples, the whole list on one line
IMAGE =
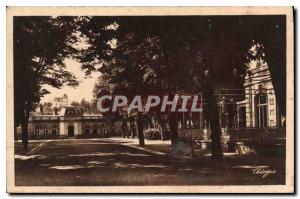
[(118, 161)]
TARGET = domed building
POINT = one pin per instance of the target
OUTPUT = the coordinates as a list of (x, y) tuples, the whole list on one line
[(70, 122), (259, 108)]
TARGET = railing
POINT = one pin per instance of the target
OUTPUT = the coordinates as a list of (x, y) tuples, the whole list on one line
[(248, 135), (258, 135), (190, 132)]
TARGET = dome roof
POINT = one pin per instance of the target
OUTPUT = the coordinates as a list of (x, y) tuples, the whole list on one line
[(70, 111)]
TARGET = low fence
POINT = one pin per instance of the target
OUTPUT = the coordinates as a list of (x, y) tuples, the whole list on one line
[(257, 136), (251, 136), (262, 141), (197, 134)]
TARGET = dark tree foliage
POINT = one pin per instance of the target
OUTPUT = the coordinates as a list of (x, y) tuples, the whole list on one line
[(40, 46), (183, 54)]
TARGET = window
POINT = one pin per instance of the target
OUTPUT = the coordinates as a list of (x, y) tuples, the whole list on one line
[(272, 101), (261, 111), (36, 132), (46, 131), (272, 112), (262, 99)]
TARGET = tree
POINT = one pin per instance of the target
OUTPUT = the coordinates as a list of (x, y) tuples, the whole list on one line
[(74, 103), (40, 46), (135, 64), (270, 32), (150, 53), (169, 54)]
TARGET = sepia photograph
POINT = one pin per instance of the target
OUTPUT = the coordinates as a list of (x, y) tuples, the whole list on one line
[(150, 100)]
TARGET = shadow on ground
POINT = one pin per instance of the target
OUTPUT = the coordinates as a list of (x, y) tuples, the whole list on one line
[(108, 162)]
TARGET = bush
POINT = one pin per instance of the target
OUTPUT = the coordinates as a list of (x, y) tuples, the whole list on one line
[(152, 134)]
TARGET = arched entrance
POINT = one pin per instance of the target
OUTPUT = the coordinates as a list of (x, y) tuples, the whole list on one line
[(70, 131)]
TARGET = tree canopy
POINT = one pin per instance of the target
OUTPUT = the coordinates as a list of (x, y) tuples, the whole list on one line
[(145, 55), (182, 54), (40, 46), (170, 53)]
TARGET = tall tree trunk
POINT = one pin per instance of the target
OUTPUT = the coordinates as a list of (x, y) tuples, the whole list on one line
[(127, 130), (140, 129), (124, 128), (149, 120), (132, 127), (110, 132), (213, 117), (161, 125), (24, 127), (173, 127)]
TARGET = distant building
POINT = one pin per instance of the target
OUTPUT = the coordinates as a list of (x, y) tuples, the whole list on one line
[(259, 108), (70, 122), (58, 120), (60, 101)]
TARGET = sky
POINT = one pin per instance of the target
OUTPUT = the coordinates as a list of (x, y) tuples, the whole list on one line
[(83, 90)]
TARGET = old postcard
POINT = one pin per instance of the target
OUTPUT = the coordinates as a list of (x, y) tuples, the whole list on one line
[(150, 100)]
